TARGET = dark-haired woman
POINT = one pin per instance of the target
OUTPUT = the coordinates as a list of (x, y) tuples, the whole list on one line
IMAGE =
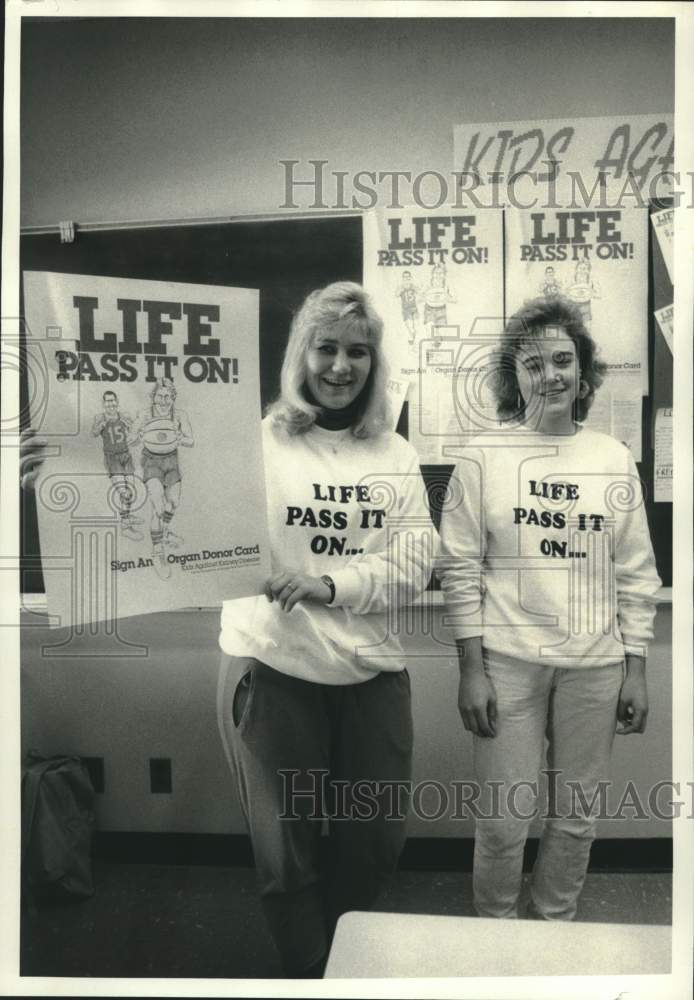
[(548, 571)]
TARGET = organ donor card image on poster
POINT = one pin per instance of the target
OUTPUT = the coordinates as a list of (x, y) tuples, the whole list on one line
[(436, 279), (153, 497), (597, 259)]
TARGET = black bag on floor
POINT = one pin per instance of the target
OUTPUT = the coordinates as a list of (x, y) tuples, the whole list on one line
[(57, 827)]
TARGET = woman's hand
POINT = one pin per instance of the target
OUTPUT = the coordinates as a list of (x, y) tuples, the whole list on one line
[(32, 455), (632, 708), (476, 692), (477, 702), (288, 588)]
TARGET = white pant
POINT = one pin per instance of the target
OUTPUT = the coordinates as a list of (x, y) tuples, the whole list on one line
[(576, 710)]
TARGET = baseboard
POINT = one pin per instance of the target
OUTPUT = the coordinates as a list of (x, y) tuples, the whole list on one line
[(442, 854), (622, 854)]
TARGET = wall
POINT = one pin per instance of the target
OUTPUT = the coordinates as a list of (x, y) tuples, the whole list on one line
[(145, 119), (85, 699)]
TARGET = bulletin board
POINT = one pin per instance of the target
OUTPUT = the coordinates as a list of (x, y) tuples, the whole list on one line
[(286, 259), (660, 395)]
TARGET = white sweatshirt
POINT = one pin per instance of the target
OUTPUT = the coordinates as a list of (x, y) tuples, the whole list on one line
[(548, 555), (355, 510)]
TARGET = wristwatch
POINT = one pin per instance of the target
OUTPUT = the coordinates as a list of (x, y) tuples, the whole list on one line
[(328, 581)]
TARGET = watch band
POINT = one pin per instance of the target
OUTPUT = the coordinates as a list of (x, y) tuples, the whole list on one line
[(328, 581)]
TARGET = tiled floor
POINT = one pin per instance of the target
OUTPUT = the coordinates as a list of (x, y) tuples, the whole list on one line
[(169, 921)]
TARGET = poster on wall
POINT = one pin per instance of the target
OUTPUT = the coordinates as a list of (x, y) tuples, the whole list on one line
[(437, 281), (663, 342), (154, 497), (570, 162), (599, 261), (664, 228), (662, 461), (665, 318)]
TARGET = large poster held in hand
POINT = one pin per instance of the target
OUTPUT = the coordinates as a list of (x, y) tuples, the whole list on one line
[(153, 495)]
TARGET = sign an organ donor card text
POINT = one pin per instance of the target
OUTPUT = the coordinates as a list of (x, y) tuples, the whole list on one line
[(155, 499)]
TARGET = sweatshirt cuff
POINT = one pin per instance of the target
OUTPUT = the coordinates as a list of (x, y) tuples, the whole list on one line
[(348, 587), (635, 647), (464, 619), (469, 632), (464, 627)]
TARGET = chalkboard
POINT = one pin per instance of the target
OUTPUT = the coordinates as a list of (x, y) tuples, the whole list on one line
[(285, 260)]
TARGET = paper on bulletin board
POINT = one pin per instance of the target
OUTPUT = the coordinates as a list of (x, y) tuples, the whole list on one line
[(598, 260), (432, 277), (662, 464), (664, 226), (665, 317), (616, 410), (152, 395)]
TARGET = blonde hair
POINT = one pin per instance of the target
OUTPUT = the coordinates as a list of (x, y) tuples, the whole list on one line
[(343, 302)]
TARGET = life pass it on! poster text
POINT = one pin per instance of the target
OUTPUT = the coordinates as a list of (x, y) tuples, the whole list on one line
[(598, 259), (150, 401), (436, 278)]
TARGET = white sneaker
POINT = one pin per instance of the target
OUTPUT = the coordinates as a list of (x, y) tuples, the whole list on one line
[(161, 566), (173, 540), (127, 531)]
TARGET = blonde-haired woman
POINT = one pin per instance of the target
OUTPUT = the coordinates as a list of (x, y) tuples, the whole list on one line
[(314, 700)]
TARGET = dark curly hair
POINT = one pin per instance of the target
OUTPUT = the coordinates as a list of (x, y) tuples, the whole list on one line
[(528, 322)]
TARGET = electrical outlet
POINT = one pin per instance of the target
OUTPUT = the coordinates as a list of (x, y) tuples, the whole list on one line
[(160, 775)]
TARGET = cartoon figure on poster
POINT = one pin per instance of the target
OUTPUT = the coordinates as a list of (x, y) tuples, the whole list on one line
[(583, 289), (162, 428), (115, 429), (407, 292), (550, 286), (436, 298)]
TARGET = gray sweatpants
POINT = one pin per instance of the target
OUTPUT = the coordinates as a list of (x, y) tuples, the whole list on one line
[(304, 753)]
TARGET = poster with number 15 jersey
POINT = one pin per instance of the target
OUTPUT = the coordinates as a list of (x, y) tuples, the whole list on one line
[(153, 494)]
